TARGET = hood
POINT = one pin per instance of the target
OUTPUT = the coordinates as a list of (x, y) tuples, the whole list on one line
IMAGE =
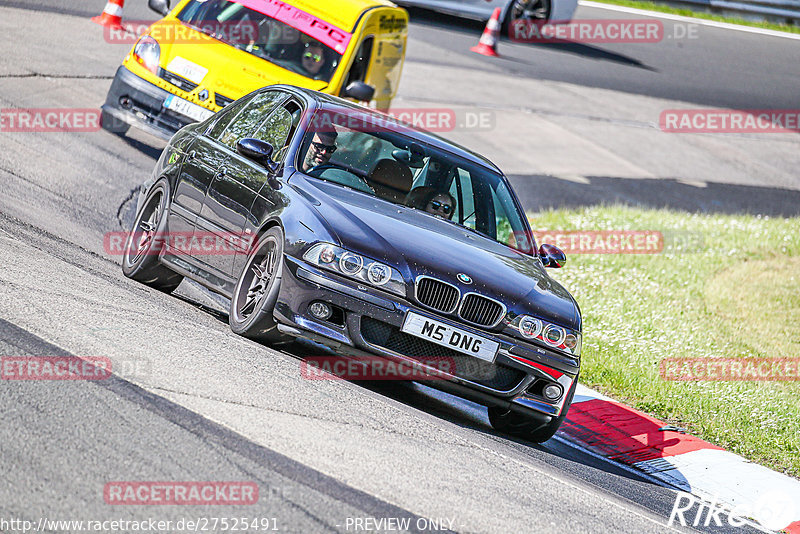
[(419, 244), (220, 67)]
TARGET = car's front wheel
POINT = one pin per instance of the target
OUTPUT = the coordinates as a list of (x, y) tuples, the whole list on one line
[(256, 292), (145, 240), (530, 11)]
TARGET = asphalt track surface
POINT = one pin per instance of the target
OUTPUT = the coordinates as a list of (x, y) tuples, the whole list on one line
[(192, 401), (699, 64)]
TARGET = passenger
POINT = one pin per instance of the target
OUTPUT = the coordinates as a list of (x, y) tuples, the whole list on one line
[(428, 199), (442, 205), (313, 59)]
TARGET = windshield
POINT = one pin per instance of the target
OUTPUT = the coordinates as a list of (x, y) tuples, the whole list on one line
[(281, 42), (398, 169)]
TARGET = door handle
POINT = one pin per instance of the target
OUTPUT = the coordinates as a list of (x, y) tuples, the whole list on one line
[(222, 173), (191, 155)]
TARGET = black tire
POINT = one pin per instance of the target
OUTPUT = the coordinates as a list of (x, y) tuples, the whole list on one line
[(145, 240), (112, 124), (530, 427), (256, 292), (532, 10)]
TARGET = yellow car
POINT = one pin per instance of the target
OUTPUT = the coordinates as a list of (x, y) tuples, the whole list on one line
[(204, 54)]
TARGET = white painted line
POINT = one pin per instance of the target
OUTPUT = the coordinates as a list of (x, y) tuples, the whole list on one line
[(584, 394), (681, 18)]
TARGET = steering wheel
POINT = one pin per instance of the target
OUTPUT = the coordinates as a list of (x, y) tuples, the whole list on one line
[(358, 182), (319, 169)]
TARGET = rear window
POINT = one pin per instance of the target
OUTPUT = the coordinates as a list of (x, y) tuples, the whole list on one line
[(268, 38)]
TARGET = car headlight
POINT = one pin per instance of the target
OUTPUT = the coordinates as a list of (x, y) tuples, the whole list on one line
[(550, 334), (147, 53), (356, 266)]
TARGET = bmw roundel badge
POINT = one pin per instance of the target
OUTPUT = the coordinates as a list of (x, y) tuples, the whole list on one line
[(464, 278)]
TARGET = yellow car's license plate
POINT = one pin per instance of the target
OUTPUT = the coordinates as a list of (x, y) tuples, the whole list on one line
[(184, 107)]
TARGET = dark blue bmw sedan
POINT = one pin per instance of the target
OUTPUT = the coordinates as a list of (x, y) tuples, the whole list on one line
[(345, 227)]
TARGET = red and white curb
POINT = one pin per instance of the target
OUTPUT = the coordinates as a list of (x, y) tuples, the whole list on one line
[(620, 433)]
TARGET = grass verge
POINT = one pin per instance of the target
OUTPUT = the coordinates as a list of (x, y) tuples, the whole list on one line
[(724, 286), (664, 8)]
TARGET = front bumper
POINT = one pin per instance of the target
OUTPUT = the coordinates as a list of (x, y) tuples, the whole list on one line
[(371, 325), (137, 102)]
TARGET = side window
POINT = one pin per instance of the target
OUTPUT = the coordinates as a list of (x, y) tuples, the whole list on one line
[(250, 117), (225, 116), (358, 70), (278, 128)]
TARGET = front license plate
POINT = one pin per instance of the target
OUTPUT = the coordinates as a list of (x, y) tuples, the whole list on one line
[(184, 107), (451, 337)]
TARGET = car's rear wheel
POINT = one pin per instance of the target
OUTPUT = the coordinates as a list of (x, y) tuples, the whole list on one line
[(530, 427), (145, 240), (531, 11), (256, 292)]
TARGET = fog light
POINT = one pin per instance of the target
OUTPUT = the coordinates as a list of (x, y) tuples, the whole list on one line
[(320, 310), (552, 392)]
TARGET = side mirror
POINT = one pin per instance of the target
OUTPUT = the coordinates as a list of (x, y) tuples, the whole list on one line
[(552, 256), (360, 91), (258, 151), (159, 6)]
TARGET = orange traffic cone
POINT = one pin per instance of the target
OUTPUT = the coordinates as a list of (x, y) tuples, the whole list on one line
[(112, 14), (488, 43)]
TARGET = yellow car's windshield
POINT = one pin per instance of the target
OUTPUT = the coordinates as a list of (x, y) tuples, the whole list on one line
[(281, 42)]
